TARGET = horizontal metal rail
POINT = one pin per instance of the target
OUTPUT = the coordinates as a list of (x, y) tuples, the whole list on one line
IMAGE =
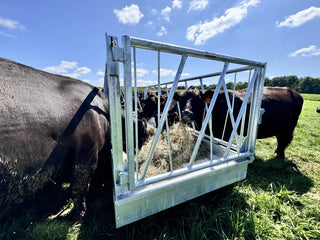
[(175, 49), (165, 176), (235, 70)]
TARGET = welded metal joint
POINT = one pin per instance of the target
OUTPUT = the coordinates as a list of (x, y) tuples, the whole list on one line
[(124, 182), (117, 52)]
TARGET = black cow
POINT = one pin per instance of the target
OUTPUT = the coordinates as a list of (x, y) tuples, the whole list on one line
[(282, 109), (318, 109), (192, 106), (52, 128), (150, 107)]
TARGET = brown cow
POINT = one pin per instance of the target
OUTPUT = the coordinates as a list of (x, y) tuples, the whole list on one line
[(282, 109)]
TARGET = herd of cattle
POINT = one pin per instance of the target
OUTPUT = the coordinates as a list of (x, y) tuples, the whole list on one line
[(54, 128), (282, 107)]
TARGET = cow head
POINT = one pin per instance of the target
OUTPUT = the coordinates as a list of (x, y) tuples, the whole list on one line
[(318, 109), (150, 106), (142, 131), (191, 104)]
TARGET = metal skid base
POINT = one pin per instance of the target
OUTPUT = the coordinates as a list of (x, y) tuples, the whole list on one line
[(159, 196)]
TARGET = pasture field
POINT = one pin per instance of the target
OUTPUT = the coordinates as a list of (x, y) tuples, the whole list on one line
[(279, 199)]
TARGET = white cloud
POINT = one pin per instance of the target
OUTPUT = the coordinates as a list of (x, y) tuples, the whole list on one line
[(129, 15), (201, 32), (165, 13), (165, 72), (306, 52), (72, 75), (11, 24), (69, 69), (154, 11), (198, 5), (162, 31), (300, 18), (6, 34), (100, 73), (144, 83), (169, 72), (185, 74), (141, 72), (151, 25), (62, 68), (83, 70), (176, 4)]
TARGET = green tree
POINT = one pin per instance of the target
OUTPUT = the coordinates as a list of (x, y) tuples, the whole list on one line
[(310, 85)]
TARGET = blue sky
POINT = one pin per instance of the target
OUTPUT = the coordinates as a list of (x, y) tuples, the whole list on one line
[(68, 37)]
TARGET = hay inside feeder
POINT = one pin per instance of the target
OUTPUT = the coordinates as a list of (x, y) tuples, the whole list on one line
[(182, 141)]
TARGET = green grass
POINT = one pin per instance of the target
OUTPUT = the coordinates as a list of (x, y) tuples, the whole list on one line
[(311, 97), (279, 199)]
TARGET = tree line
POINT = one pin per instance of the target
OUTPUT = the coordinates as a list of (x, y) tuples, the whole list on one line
[(302, 85)]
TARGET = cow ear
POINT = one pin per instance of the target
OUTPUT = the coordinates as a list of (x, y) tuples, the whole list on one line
[(176, 96), (207, 100)]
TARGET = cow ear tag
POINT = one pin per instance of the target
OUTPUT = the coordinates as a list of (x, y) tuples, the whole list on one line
[(207, 100)]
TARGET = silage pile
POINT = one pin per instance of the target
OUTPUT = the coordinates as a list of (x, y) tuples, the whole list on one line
[(182, 143)]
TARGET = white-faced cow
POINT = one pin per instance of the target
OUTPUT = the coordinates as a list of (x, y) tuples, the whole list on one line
[(282, 109), (318, 109), (51, 128)]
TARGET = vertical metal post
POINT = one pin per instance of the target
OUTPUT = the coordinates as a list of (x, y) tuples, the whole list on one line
[(244, 118), (169, 145), (136, 110), (159, 89), (210, 122), (112, 90), (255, 109), (145, 93), (128, 109)]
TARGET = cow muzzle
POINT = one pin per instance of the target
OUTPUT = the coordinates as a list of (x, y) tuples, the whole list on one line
[(187, 116)]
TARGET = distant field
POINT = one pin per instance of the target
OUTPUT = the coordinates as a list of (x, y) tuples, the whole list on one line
[(311, 97), (279, 199)]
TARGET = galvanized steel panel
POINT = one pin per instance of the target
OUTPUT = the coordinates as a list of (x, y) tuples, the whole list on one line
[(136, 196)]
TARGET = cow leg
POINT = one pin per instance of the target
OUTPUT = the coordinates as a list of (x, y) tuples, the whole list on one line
[(283, 142), (82, 173)]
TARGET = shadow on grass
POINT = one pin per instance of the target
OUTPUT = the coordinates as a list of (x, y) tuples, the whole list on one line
[(220, 214), (262, 173), (22, 219), (212, 216), (217, 215)]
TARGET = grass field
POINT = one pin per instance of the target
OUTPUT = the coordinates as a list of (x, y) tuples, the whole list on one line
[(280, 199)]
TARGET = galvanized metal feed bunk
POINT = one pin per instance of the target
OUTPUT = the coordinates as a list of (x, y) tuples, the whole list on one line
[(137, 196)]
